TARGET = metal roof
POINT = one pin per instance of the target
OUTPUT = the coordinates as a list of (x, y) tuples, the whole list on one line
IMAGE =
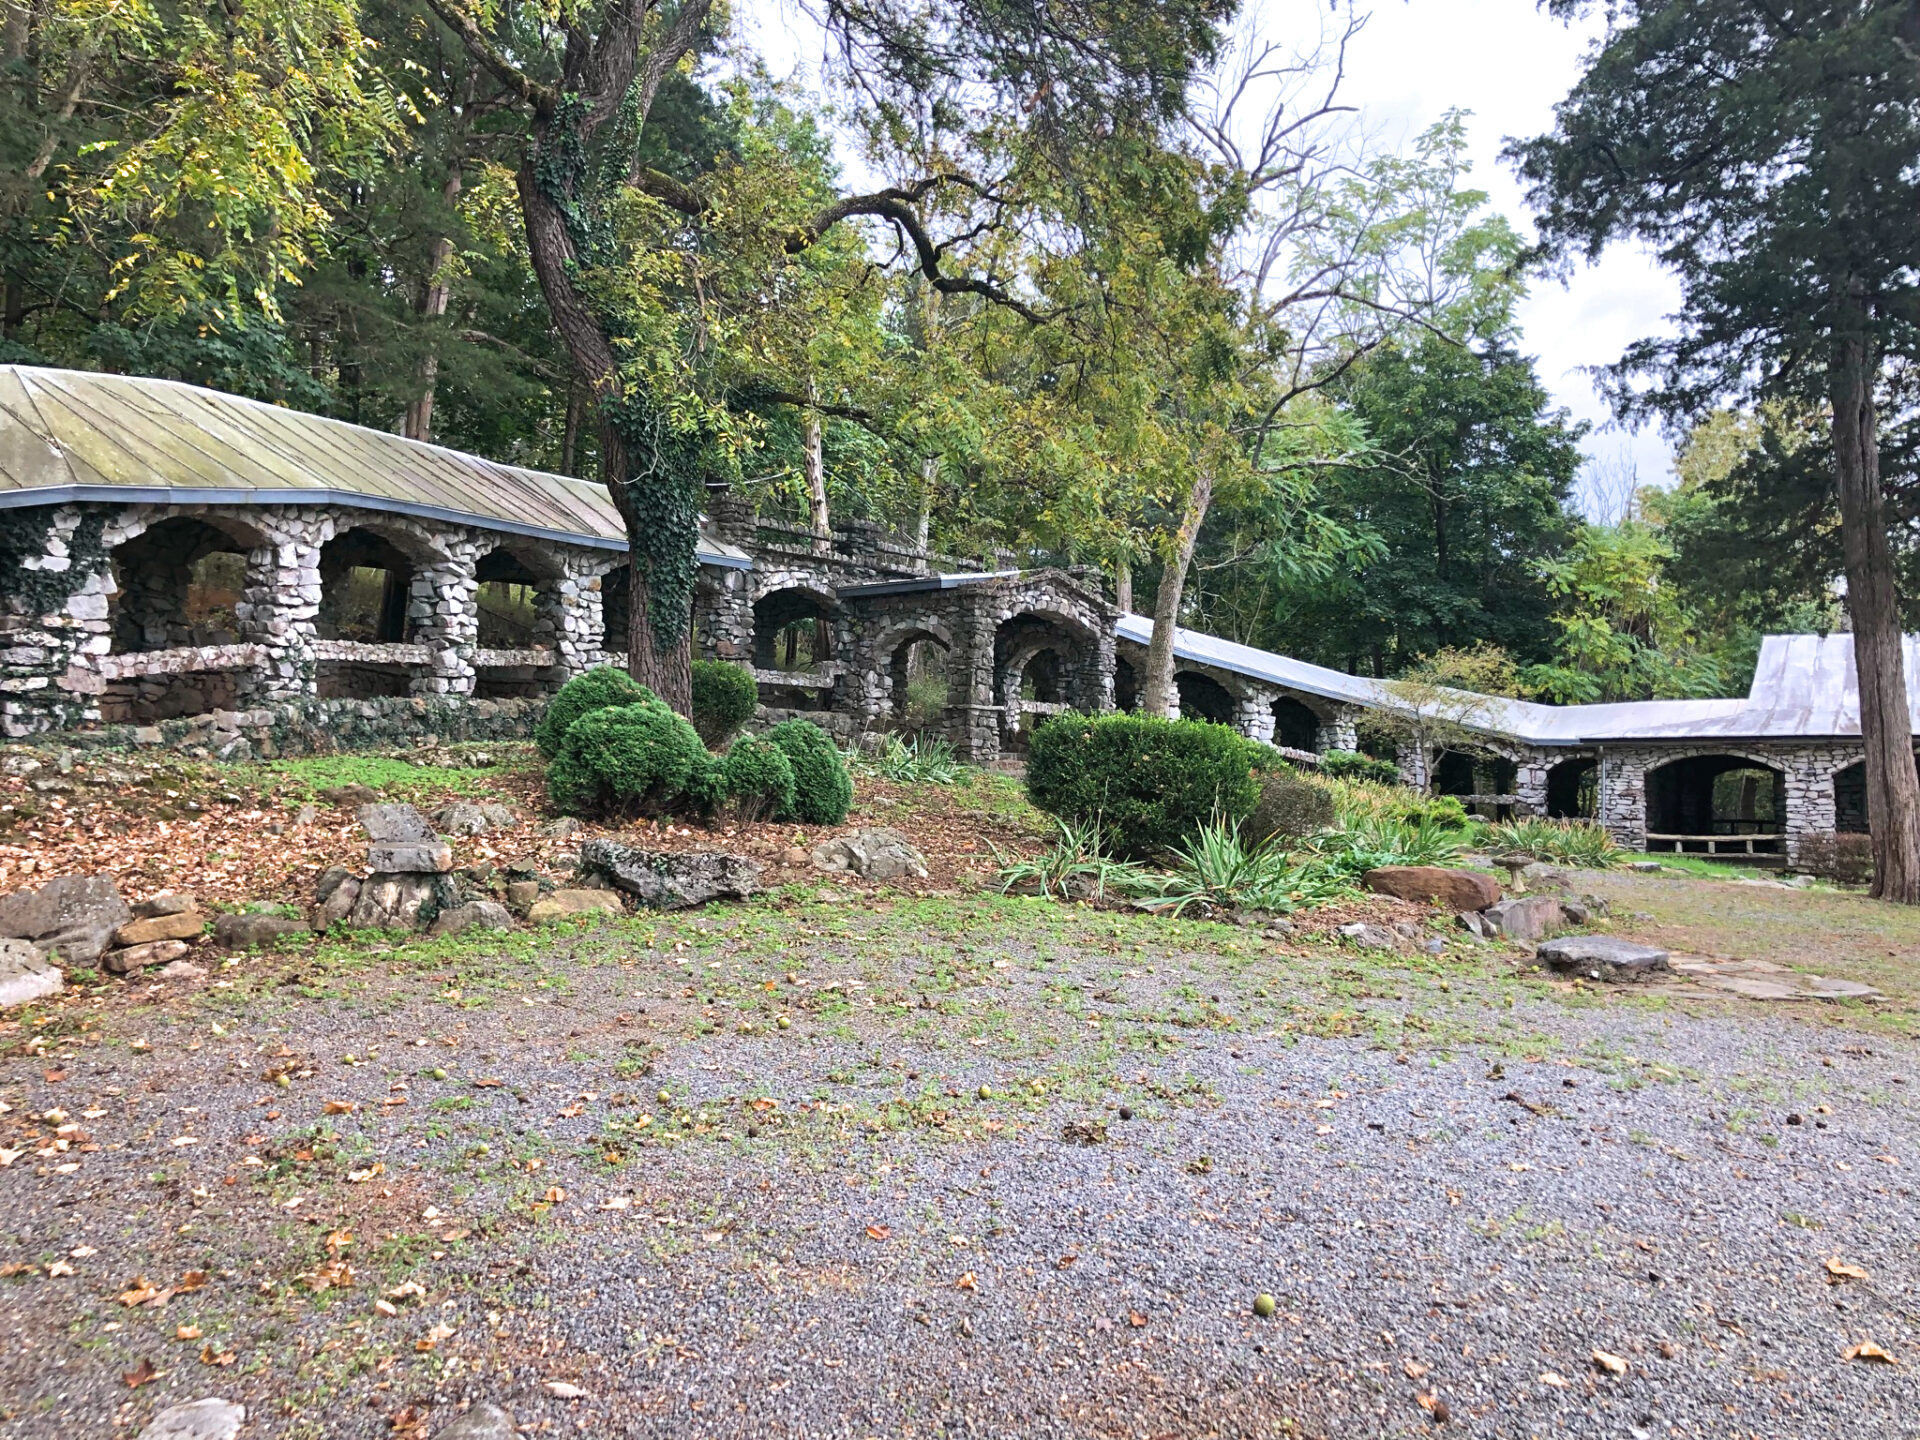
[(951, 580), (76, 435), (1804, 687)]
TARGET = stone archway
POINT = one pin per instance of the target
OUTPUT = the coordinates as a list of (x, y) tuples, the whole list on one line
[(1295, 725), (917, 689), (1203, 698), (1044, 662), (795, 647), (1573, 789), (519, 620), (1716, 804)]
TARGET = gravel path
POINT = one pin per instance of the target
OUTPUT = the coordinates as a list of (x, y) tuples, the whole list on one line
[(1458, 1184)]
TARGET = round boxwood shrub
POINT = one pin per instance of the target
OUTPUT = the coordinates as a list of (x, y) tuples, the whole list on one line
[(758, 780), (822, 788), (724, 697), (1352, 765), (1290, 806), (1147, 782), (631, 759), (598, 689)]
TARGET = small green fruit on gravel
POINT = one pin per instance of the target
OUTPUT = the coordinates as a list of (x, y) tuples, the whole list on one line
[(986, 1092), (283, 1082), (665, 1097), (1264, 1306), (785, 1023), (439, 1073)]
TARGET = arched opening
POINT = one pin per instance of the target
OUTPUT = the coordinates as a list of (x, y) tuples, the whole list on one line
[(366, 599), (1483, 780), (184, 585), (917, 681), (1039, 670), (517, 610), (1851, 808), (1203, 698), (1295, 727), (1126, 686), (1716, 805), (1573, 789), (793, 649), (616, 609)]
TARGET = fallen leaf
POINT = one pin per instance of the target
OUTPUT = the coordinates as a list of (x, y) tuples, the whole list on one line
[(1558, 1382), (1136, 1319), (186, 1139), (339, 1240), (879, 1232), (616, 1202), (565, 1390), (7, 1157), (1609, 1362), (81, 1252), (340, 1107), (187, 1332), (1414, 1369), (137, 1293), (1840, 1270), (488, 1084), (966, 1282), (211, 1356), (386, 1307), (141, 1374), (554, 1195), (59, 1267), (1434, 1406), (1867, 1350), (192, 1280), (359, 1177), (407, 1290)]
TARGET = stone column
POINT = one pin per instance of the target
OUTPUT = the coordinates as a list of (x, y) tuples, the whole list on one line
[(46, 680), (444, 616), (281, 615), (1621, 797), (1338, 731), (1530, 781), (1253, 712), (1809, 786), (972, 721)]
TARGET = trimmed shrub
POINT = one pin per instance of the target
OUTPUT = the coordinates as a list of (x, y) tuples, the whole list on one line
[(822, 788), (600, 688), (1846, 857), (724, 697), (1444, 812), (634, 759), (706, 784), (1150, 784), (1290, 806), (1352, 765), (758, 779)]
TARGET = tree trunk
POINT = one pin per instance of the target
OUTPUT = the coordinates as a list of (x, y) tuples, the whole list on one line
[(814, 462), (667, 672), (418, 424), (1123, 587), (576, 419), (1157, 693), (1886, 726), (923, 521)]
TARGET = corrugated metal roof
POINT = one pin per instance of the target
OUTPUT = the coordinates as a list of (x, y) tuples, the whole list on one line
[(77, 435), (1803, 688)]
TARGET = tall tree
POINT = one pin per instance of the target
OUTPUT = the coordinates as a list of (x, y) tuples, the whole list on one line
[(1768, 156), (958, 94)]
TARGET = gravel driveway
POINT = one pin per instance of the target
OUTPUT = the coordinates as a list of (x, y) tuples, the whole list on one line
[(1480, 1201)]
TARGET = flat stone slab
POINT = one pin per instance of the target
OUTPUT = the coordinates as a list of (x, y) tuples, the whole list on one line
[(563, 903), (209, 1419), (485, 1421), (410, 857), (1602, 957), (670, 880), (1764, 980), (393, 823)]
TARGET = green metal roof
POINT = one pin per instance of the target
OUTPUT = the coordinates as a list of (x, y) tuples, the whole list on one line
[(77, 435)]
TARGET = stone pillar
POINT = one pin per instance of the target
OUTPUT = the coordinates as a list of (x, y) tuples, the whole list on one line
[(733, 518), (444, 615), (723, 616), (1809, 787), (574, 613), (972, 721), (46, 680), (1621, 797), (1530, 781), (1253, 712), (1338, 731), (1412, 760), (282, 616)]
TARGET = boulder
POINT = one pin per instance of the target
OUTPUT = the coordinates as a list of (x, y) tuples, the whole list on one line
[(1369, 937), (1542, 876), (484, 1421), (331, 879), (71, 918), (500, 817), (139, 957), (879, 853), (563, 903), (460, 818), (209, 1419), (563, 827), (522, 893), (241, 932), (1529, 917), (337, 900), (25, 974), (401, 901), (476, 915), (1602, 957), (184, 925), (171, 903), (667, 880), (350, 795), (182, 970), (1458, 890), (403, 842)]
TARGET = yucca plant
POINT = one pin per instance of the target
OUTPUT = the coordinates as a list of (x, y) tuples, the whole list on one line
[(1073, 867), (924, 760), (1558, 842), (1219, 868)]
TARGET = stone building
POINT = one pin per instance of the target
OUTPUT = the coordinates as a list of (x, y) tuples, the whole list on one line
[(183, 567)]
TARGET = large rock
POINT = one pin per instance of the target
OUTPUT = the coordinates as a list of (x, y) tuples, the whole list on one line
[(184, 925), (338, 896), (25, 974), (401, 901), (485, 1421), (1369, 936), (403, 842), (209, 1419), (562, 904), (139, 957), (475, 915), (666, 880), (1530, 917), (171, 903), (878, 853), (460, 818), (354, 795), (242, 932), (71, 919), (1458, 890), (1602, 957)]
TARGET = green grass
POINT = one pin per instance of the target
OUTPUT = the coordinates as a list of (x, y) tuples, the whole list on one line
[(306, 777)]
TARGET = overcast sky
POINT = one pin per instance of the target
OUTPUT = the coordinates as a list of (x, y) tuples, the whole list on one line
[(1507, 62)]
